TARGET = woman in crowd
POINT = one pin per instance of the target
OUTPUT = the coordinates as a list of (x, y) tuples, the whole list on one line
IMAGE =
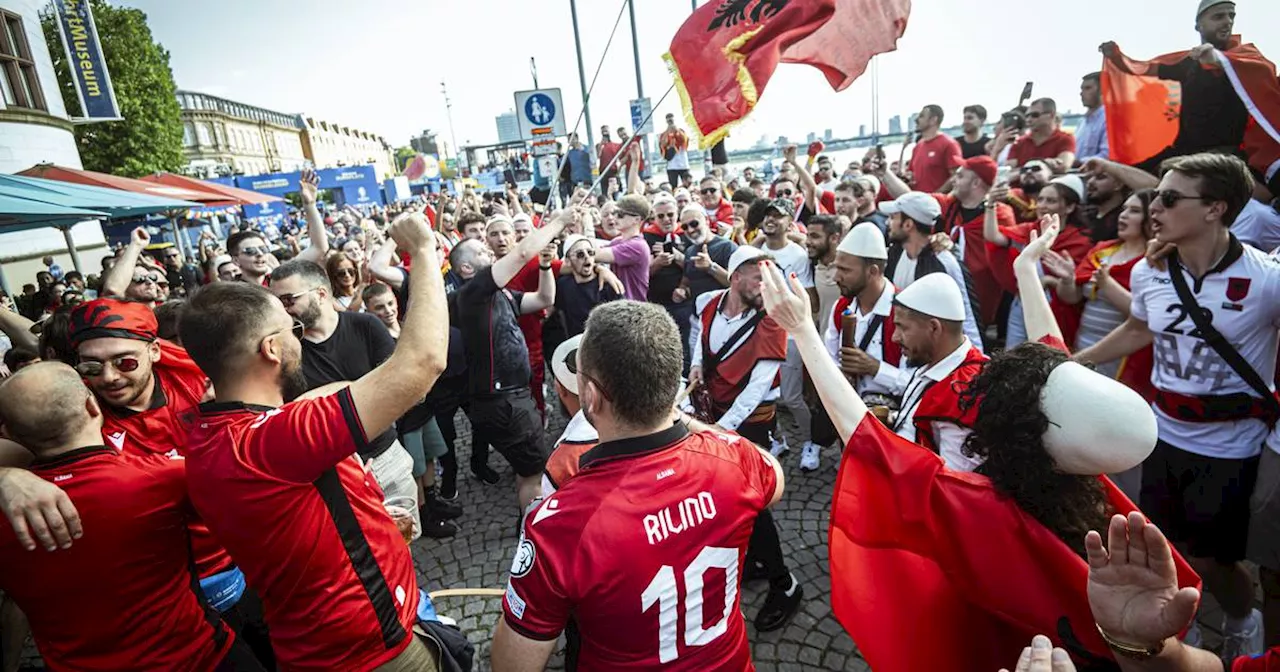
[(1062, 198), (344, 275)]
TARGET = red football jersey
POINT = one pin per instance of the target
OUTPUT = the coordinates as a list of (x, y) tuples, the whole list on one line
[(122, 597), (162, 430), (643, 548), (281, 488)]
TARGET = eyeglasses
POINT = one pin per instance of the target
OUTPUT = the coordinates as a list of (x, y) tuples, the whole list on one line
[(123, 364), (584, 254), (255, 251), (150, 277), (289, 299), (709, 191), (1033, 115), (344, 272), (1169, 198), (785, 193), (299, 330)]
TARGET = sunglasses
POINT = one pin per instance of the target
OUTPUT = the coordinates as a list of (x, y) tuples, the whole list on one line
[(344, 272), (785, 193), (1033, 115), (123, 364), (255, 251), (151, 278), (584, 254), (1169, 198), (289, 299), (709, 191)]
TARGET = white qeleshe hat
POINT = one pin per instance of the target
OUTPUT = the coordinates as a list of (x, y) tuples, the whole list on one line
[(572, 240), (1072, 182), (742, 255), (1097, 425), (864, 240), (564, 363), (935, 295)]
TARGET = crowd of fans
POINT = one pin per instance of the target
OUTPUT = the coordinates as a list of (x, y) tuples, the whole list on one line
[(272, 421)]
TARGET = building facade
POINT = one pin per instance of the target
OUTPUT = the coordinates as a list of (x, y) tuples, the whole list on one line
[(222, 137), (508, 127), (330, 145)]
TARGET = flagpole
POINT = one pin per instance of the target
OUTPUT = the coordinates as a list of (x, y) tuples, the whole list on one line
[(635, 47), (582, 80)]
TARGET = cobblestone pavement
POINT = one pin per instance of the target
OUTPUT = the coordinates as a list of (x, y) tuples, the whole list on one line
[(480, 557)]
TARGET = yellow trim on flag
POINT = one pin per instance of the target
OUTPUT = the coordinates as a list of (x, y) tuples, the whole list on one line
[(746, 86)]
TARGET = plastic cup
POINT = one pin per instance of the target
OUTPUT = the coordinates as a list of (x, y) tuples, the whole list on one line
[(400, 509)]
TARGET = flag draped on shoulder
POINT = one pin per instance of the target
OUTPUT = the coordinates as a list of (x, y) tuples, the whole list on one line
[(920, 551), (1143, 110), (725, 53)]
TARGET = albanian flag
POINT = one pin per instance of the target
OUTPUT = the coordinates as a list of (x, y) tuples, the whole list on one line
[(932, 569), (1143, 110), (725, 53)]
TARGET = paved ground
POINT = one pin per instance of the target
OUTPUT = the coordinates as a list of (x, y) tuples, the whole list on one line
[(480, 557)]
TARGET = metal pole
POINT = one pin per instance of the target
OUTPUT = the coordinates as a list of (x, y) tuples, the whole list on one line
[(533, 70), (635, 48), (71, 249), (582, 81), (453, 137)]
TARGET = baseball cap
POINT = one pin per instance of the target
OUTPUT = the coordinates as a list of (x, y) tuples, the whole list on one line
[(864, 240), (935, 295), (564, 362), (782, 206), (917, 205), (984, 167), (1206, 5), (742, 255), (634, 204)]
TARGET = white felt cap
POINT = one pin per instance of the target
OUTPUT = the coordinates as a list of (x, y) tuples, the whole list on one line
[(864, 240), (935, 295), (1072, 182), (564, 363), (1097, 425), (742, 255)]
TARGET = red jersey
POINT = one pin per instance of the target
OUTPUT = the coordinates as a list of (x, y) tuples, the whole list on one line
[(123, 596), (933, 161), (1269, 661), (643, 548), (304, 521), (1025, 149), (526, 280), (161, 430)]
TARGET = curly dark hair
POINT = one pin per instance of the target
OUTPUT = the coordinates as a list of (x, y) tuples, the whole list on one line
[(1009, 435)]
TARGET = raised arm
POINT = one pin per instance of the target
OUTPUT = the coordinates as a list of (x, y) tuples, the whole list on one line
[(546, 295), (1036, 313), (787, 302), (382, 269), (507, 267), (990, 222), (308, 187), (116, 281), (387, 392), (807, 185), (1134, 178), (892, 183), (18, 328)]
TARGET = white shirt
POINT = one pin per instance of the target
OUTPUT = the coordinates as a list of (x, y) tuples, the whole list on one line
[(952, 264), (829, 185), (890, 379), (824, 281), (679, 162), (949, 437), (578, 431), (760, 387), (1244, 299), (792, 258), (1258, 225)]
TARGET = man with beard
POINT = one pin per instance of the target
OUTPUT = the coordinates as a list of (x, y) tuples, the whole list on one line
[(706, 257), (1106, 196), (120, 597), (913, 256), (779, 217), (936, 156), (580, 292), (502, 411), (974, 141), (147, 388), (1044, 141), (738, 353), (272, 477), (823, 234), (340, 346), (667, 243), (1214, 384), (928, 320)]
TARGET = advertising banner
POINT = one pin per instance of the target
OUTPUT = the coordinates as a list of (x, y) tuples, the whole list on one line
[(87, 64)]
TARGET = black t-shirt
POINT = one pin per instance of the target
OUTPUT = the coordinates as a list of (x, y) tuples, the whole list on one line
[(878, 218), (357, 346), (719, 249), (978, 147), (575, 300), (497, 355), (663, 281), (1103, 227), (1212, 117)]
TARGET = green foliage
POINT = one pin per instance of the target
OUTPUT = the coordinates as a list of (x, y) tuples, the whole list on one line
[(149, 139), (403, 156)]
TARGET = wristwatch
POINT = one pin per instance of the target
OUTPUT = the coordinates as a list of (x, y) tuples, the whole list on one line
[(1131, 651)]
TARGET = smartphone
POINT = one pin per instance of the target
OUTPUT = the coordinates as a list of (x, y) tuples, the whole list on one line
[(668, 247)]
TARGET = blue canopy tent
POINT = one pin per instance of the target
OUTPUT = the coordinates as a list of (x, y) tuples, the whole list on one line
[(34, 203)]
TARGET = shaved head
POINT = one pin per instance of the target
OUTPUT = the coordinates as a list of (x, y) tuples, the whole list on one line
[(45, 407)]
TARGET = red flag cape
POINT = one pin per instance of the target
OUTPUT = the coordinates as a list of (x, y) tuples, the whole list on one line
[(1142, 110), (932, 569), (725, 53)]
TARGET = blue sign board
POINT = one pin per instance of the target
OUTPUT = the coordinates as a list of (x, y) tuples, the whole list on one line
[(356, 185), (269, 209), (276, 184), (84, 55), (539, 110)]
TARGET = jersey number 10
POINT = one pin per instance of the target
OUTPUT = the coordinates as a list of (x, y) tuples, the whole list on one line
[(665, 592)]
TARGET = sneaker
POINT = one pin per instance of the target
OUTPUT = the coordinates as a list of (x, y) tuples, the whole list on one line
[(1246, 642), (435, 527), (779, 447), (448, 487), (440, 506), (485, 473), (810, 457), (779, 606)]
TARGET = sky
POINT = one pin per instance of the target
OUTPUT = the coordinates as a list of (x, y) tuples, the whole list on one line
[(378, 65)]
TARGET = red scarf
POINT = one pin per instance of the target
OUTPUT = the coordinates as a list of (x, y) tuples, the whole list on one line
[(891, 350)]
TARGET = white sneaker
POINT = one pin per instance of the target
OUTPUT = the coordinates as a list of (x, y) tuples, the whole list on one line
[(810, 457), (779, 447), (1247, 642)]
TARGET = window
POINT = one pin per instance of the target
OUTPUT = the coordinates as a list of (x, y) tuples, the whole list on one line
[(188, 135), (18, 78), (204, 134)]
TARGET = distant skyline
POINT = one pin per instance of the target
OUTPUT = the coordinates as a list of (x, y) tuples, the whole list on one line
[(377, 65)]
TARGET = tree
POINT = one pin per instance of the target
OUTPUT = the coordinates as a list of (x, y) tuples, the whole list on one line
[(149, 138), (403, 156)]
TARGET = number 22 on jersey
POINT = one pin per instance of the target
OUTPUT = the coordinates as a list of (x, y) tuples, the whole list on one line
[(664, 591)]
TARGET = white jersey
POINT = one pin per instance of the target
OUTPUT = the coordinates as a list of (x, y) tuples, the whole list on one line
[(1258, 225), (1242, 295), (793, 258)]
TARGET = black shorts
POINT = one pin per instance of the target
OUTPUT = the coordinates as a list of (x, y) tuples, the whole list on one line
[(1200, 502), (511, 423)]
